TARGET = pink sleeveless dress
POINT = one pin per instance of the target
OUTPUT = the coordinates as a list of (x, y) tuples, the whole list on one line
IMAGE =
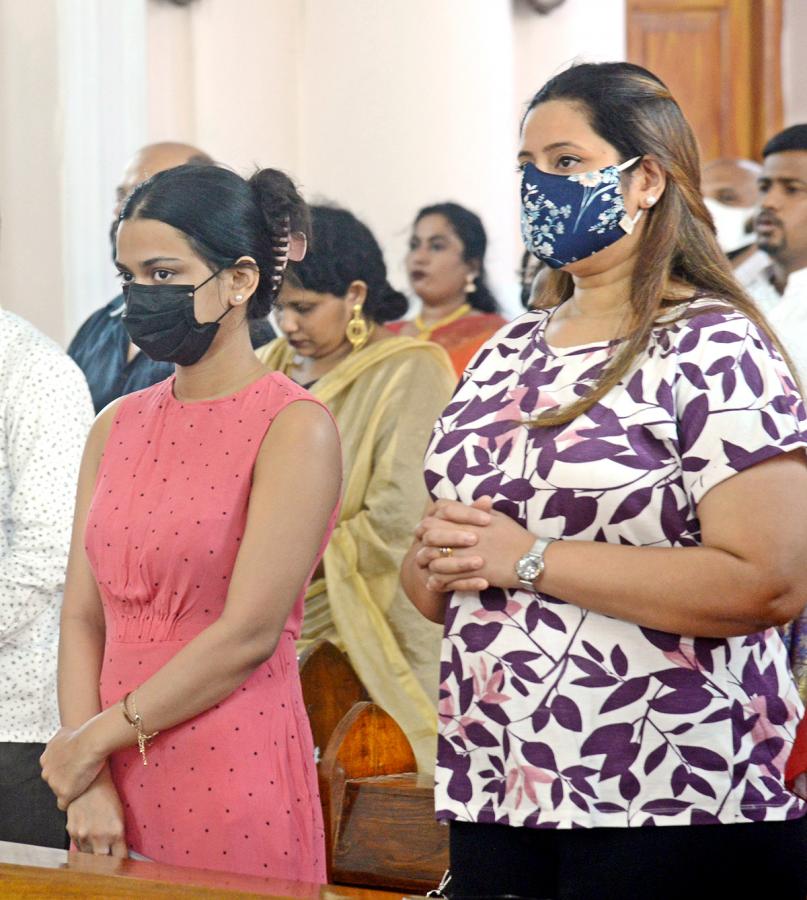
[(234, 788)]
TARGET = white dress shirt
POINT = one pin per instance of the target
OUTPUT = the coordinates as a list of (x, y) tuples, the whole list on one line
[(45, 414), (786, 312)]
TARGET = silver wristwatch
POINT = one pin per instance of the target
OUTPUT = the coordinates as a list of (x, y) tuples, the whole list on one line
[(531, 566)]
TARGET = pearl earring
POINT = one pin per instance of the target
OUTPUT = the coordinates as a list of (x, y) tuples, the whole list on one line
[(239, 297), (651, 201)]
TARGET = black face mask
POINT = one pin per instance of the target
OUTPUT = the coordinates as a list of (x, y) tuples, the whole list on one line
[(161, 322)]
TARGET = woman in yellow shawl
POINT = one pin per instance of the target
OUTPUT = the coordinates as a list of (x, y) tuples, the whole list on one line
[(385, 393)]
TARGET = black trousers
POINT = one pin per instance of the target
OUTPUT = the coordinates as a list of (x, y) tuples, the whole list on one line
[(737, 862), (28, 810)]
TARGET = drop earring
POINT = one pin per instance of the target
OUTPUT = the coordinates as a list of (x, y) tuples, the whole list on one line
[(470, 283), (358, 332)]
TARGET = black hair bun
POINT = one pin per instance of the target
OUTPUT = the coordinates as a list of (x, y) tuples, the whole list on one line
[(386, 304), (280, 201)]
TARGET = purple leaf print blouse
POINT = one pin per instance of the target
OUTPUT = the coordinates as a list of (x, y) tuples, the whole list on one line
[(554, 716)]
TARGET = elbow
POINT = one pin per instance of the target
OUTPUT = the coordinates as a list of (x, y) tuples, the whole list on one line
[(250, 644), (777, 600), (784, 607), (260, 645)]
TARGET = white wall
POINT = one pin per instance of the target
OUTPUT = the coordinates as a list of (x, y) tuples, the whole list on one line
[(223, 75), (169, 87), (577, 31), (103, 102), (72, 80), (30, 164), (793, 81)]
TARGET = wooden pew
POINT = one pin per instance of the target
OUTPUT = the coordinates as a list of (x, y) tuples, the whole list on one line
[(330, 689), (379, 812), (34, 872)]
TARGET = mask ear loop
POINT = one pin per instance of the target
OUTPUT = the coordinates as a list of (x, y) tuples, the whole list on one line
[(623, 167), (628, 223), (210, 278)]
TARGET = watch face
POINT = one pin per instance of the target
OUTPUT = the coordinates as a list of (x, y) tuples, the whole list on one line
[(528, 568)]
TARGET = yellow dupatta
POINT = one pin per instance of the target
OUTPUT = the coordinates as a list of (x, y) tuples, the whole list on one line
[(385, 399)]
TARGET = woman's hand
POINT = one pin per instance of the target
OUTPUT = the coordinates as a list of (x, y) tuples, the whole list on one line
[(486, 546), (449, 523), (95, 819), (69, 765)]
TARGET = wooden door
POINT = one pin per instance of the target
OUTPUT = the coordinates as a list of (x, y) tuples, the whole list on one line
[(722, 61)]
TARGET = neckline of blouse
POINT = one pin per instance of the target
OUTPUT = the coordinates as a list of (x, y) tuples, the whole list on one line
[(583, 349), (232, 398), (573, 349)]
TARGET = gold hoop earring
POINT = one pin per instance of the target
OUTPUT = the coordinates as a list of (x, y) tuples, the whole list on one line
[(470, 283), (357, 331)]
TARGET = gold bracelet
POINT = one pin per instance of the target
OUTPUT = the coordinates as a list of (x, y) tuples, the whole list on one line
[(136, 722)]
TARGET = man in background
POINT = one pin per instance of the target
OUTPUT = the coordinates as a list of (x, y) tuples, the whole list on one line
[(112, 365), (781, 234), (781, 288), (730, 191)]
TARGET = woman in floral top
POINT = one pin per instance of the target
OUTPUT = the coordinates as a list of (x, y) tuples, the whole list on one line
[(618, 527)]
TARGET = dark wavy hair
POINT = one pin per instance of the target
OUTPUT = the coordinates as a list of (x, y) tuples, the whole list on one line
[(469, 229), (343, 250), (225, 217)]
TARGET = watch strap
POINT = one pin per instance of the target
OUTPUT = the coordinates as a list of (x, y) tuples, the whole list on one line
[(539, 547)]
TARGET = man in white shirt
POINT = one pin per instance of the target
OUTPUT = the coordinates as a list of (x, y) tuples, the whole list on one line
[(45, 414), (780, 289)]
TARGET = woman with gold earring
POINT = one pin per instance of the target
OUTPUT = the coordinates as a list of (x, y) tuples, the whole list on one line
[(385, 393), (446, 266)]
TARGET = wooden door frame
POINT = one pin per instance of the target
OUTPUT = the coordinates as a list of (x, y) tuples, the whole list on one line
[(754, 33), (768, 28)]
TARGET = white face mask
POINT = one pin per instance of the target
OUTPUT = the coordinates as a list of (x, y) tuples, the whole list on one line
[(731, 223)]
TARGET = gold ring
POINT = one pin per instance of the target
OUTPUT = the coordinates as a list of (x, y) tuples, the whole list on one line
[(446, 551)]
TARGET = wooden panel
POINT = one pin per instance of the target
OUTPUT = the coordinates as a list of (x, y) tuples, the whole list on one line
[(42, 872), (366, 743), (721, 61), (330, 689), (388, 835), (767, 99)]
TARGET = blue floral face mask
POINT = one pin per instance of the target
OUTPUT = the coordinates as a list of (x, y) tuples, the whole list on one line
[(565, 218)]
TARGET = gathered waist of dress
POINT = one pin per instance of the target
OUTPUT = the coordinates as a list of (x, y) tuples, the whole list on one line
[(150, 628), (156, 630)]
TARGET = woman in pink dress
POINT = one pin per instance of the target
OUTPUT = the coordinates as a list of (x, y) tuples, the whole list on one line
[(204, 506)]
